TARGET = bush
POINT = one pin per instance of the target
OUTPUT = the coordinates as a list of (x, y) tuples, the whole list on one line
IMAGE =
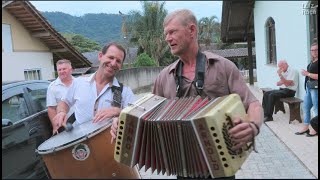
[(144, 60)]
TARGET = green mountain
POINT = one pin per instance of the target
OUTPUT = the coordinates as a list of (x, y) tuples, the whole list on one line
[(101, 28)]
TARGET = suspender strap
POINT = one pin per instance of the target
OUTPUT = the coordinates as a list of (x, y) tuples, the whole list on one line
[(200, 68), (117, 95), (179, 77), (199, 76)]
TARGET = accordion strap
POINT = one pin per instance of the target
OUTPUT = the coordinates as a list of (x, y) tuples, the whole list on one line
[(117, 95)]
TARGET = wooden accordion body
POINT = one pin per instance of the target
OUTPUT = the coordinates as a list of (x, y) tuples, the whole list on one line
[(186, 137)]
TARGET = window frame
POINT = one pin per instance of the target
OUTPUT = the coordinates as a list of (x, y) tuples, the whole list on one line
[(313, 20), (17, 89), (35, 74), (7, 43), (271, 45), (18, 113)]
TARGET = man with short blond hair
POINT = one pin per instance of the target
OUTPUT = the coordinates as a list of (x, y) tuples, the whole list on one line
[(220, 77), (59, 87)]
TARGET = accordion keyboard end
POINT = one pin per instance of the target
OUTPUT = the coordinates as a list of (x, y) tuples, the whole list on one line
[(139, 107)]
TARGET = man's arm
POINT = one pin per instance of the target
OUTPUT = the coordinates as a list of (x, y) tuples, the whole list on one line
[(52, 112), (255, 112), (62, 107), (290, 79), (61, 117), (127, 97), (106, 113), (51, 102), (279, 83), (285, 81)]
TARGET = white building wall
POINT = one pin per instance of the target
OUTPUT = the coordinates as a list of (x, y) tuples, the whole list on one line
[(15, 63), (292, 39)]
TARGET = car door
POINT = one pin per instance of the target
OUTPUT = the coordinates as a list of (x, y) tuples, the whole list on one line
[(28, 127)]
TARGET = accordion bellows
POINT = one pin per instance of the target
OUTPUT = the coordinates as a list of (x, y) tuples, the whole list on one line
[(186, 137)]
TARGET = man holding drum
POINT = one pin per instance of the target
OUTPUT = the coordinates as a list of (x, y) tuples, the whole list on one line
[(58, 88), (92, 96)]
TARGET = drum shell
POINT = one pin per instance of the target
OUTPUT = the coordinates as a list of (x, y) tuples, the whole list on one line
[(99, 164)]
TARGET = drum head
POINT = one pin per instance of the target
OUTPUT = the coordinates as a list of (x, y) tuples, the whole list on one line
[(78, 134)]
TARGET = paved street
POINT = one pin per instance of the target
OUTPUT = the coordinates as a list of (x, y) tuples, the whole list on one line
[(281, 154)]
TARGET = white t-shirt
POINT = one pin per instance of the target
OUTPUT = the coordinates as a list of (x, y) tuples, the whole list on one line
[(56, 91), (291, 74), (83, 96)]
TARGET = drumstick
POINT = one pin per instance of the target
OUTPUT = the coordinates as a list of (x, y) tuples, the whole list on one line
[(68, 127)]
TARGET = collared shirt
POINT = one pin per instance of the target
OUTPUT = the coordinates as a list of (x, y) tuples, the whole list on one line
[(291, 74), (56, 90), (83, 96), (221, 78)]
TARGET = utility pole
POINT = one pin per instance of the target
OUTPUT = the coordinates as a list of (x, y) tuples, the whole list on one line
[(124, 31)]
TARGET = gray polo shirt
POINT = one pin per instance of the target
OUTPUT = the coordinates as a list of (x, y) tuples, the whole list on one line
[(222, 78)]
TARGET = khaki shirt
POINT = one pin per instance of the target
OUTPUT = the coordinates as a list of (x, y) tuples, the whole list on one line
[(222, 78)]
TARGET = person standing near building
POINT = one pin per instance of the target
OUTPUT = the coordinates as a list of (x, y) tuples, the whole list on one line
[(58, 88), (311, 97)]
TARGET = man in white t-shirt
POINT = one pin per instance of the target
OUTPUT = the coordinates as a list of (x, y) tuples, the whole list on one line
[(58, 88), (288, 82)]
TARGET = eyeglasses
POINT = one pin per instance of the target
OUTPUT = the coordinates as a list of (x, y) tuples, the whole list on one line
[(314, 50)]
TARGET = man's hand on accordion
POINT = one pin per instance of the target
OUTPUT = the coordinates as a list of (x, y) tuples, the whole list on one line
[(114, 128), (242, 133)]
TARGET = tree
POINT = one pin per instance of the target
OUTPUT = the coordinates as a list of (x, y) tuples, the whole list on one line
[(144, 60), (145, 29), (82, 43), (209, 30)]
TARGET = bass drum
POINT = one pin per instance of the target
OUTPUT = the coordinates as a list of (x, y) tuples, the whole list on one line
[(84, 152)]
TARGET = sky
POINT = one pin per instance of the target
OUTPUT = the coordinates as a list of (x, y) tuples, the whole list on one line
[(79, 8)]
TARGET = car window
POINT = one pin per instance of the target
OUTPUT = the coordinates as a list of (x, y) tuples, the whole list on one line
[(39, 97), (14, 108)]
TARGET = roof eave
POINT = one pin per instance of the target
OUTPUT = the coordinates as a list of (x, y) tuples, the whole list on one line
[(5, 3), (39, 20), (227, 16)]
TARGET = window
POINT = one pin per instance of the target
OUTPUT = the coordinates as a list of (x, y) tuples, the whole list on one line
[(39, 97), (271, 41), (6, 38), (32, 74), (14, 108)]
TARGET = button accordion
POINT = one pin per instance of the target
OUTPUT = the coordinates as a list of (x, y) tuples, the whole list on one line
[(186, 137)]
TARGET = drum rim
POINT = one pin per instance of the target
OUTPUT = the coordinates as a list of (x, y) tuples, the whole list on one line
[(76, 141)]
